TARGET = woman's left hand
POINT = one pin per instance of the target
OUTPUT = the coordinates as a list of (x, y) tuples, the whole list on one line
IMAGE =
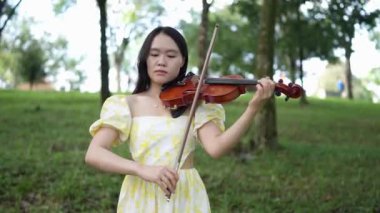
[(264, 91)]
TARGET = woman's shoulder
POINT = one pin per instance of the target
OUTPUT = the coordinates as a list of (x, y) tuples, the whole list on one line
[(210, 111), (204, 107), (136, 99), (117, 97), (117, 100)]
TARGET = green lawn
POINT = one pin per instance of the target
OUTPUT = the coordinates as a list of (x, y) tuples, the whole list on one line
[(330, 160)]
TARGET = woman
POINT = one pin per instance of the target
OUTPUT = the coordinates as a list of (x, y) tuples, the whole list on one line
[(154, 136)]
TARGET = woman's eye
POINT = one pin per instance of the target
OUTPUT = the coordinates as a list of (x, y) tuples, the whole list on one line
[(154, 54), (171, 56)]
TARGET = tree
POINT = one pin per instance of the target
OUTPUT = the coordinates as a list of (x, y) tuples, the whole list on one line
[(119, 53), (7, 61), (29, 58), (32, 63), (202, 37), (6, 13), (265, 125), (374, 76), (345, 15), (118, 60), (296, 38), (59, 61), (375, 36), (226, 58), (131, 20), (235, 48), (104, 63), (8, 64), (293, 25), (61, 6), (143, 10), (25, 55)]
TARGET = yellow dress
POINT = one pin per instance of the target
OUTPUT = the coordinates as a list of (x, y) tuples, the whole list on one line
[(156, 140)]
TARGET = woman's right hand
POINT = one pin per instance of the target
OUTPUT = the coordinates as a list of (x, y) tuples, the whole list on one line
[(163, 176)]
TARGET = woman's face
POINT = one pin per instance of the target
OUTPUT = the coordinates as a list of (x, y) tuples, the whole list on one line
[(164, 60)]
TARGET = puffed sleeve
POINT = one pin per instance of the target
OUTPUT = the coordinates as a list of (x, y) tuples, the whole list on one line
[(115, 113), (209, 112)]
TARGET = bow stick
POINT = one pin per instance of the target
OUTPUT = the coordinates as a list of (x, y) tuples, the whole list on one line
[(195, 100)]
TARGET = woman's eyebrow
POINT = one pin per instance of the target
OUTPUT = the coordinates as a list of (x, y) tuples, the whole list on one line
[(167, 50)]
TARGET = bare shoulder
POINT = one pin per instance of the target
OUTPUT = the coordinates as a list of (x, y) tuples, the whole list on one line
[(134, 102), (130, 98), (133, 99), (143, 104)]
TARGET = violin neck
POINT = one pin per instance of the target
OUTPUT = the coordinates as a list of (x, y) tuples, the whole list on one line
[(229, 81)]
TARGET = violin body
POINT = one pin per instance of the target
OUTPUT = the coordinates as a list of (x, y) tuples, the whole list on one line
[(218, 90), (221, 93), (182, 94)]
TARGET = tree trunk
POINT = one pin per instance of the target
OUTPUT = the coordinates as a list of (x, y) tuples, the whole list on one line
[(104, 63), (31, 85), (293, 68), (303, 100), (119, 58), (118, 77), (349, 75), (202, 37), (265, 127)]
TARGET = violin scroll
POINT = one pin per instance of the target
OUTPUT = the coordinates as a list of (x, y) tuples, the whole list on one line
[(290, 91)]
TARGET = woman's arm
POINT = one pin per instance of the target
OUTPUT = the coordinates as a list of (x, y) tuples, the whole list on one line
[(217, 143), (101, 157)]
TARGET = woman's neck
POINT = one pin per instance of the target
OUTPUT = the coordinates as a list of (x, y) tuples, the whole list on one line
[(154, 90)]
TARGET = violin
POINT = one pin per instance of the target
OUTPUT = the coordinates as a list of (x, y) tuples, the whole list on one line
[(218, 90)]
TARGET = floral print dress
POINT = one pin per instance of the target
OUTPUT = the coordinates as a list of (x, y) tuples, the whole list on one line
[(156, 140)]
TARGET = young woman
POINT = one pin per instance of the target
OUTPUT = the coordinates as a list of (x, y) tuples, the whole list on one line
[(154, 136)]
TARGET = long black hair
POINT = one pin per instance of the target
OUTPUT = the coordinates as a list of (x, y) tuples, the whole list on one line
[(143, 80)]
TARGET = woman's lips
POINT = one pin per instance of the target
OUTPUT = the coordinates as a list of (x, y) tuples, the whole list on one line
[(160, 72)]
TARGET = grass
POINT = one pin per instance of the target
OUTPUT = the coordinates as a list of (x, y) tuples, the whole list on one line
[(329, 161)]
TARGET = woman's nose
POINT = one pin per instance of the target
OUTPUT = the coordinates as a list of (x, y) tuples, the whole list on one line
[(161, 60)]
